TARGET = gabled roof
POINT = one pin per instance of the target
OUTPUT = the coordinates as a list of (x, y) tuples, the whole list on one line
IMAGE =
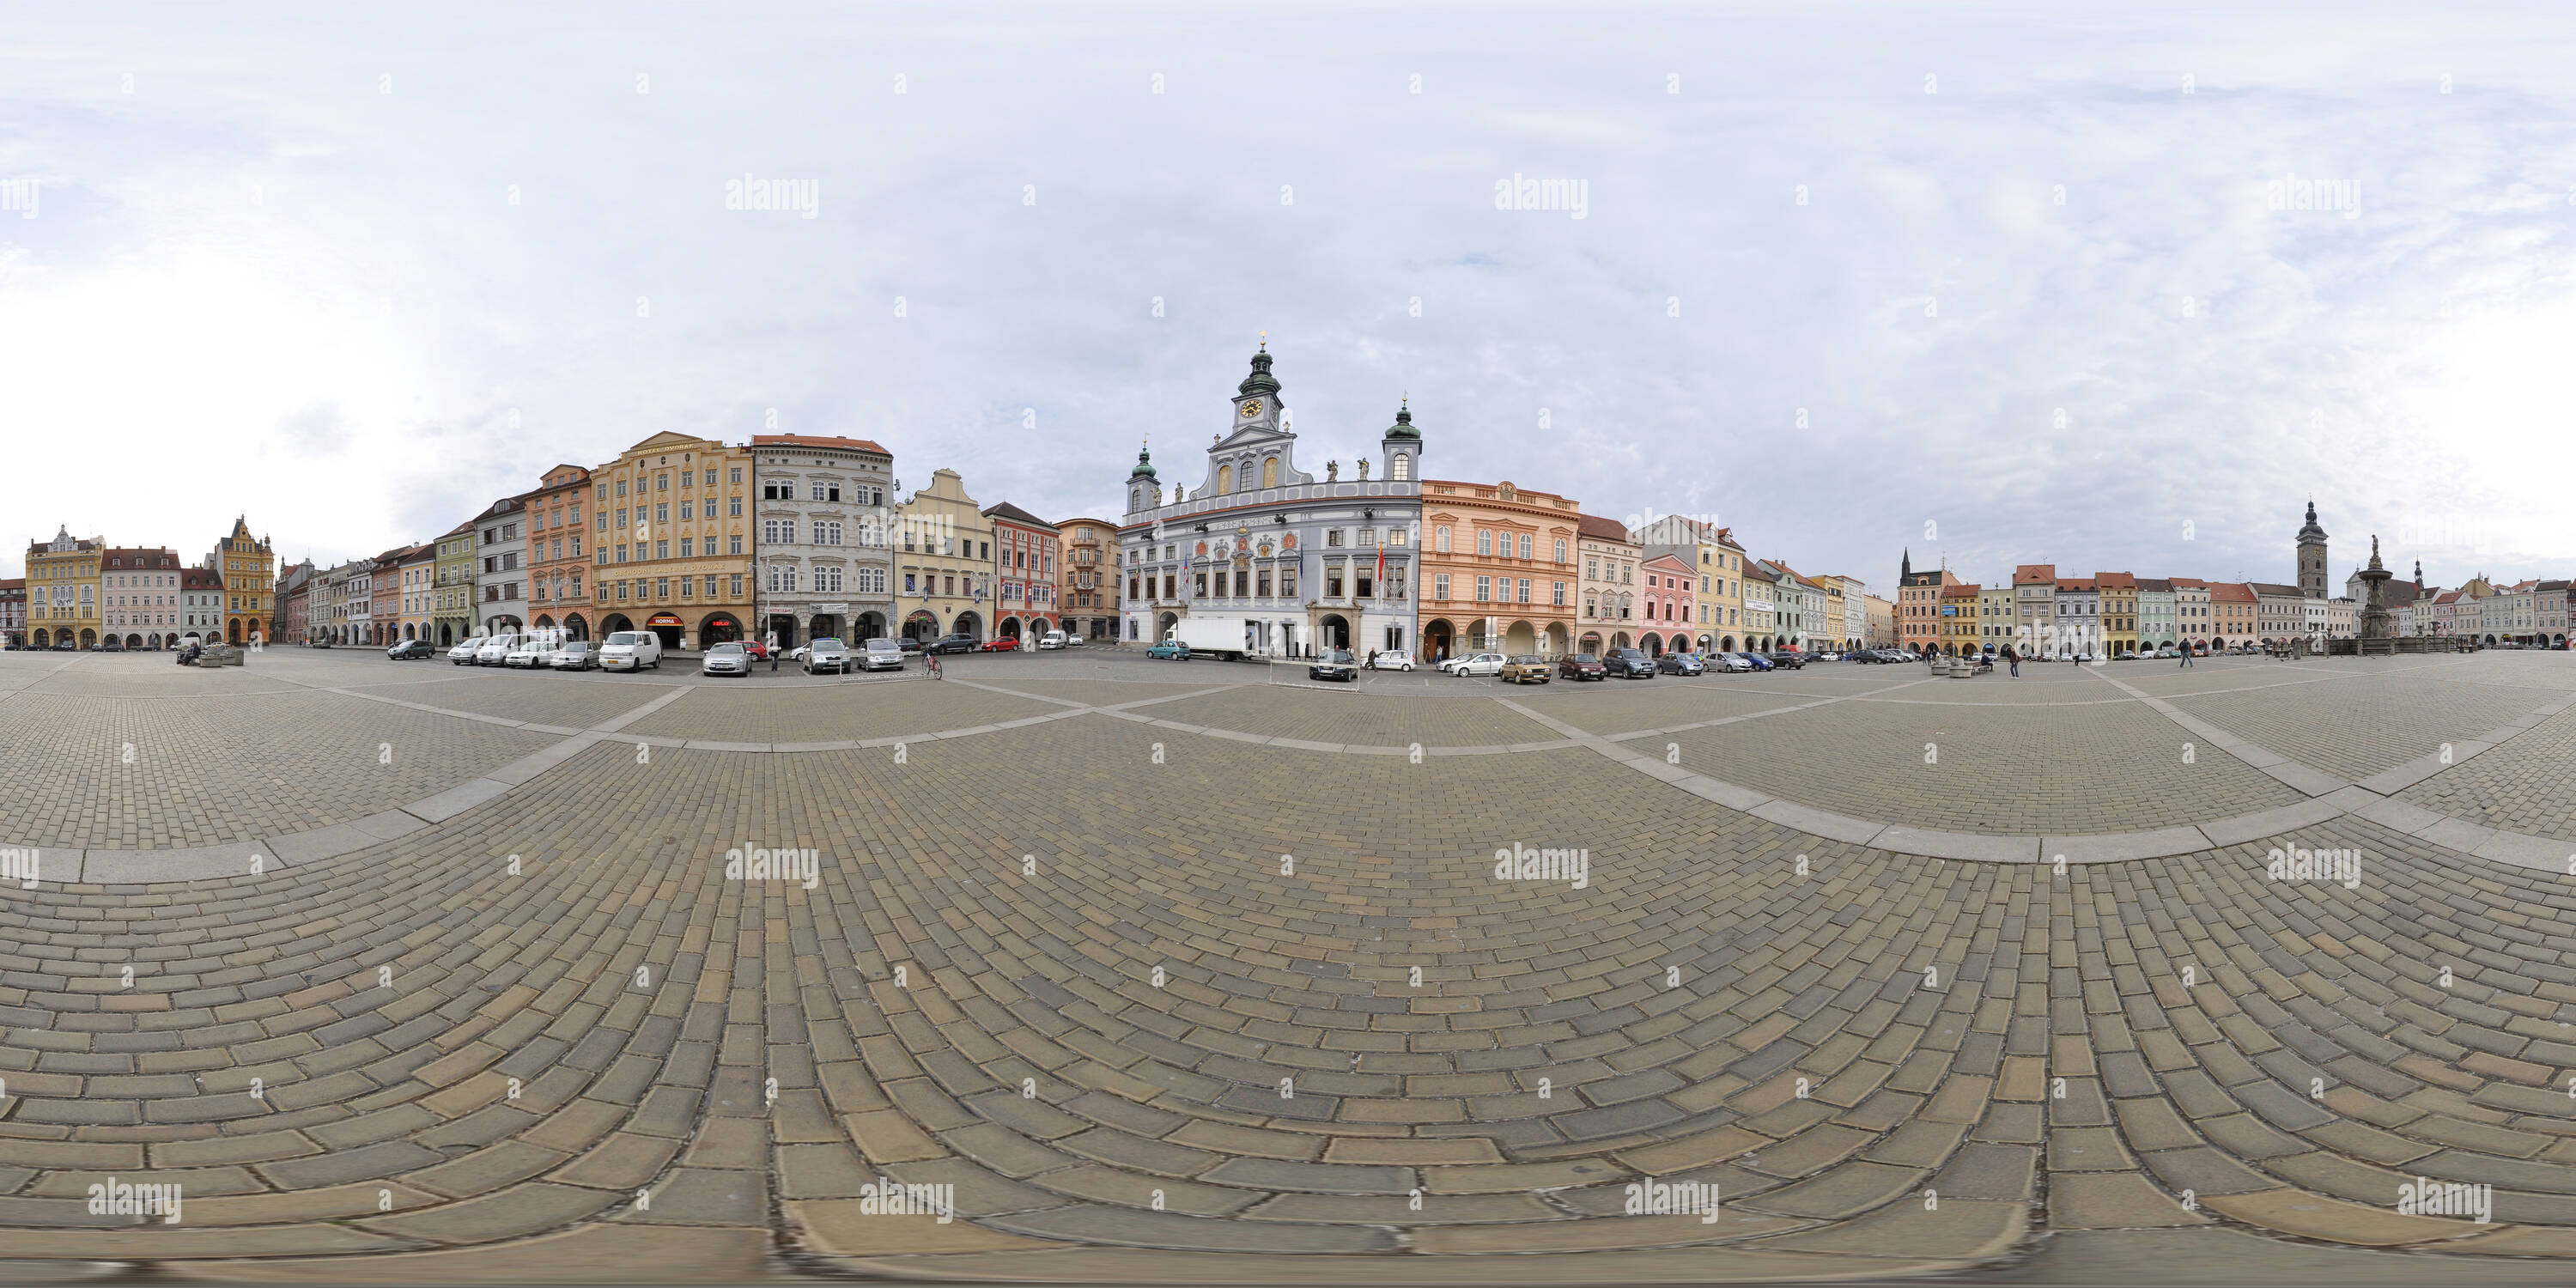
[(2035, 574), (2158, 585), (2277, 589), (2189, 583), (1006, 510), (1593, 525), (1679, 565), (1963, 590), (2074, 585), (2234, 592), (2116, 580)]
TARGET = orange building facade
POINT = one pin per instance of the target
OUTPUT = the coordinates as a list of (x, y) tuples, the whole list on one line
[(1499, 570)]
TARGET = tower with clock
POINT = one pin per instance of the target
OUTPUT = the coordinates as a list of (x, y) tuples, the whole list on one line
[(1297, 562)]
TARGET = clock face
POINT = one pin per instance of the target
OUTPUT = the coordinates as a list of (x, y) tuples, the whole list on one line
[(1252, 409)]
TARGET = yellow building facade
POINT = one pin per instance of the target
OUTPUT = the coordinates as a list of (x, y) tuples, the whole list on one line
[(62, 590), (943, 562), (671, 541), (249, 570)]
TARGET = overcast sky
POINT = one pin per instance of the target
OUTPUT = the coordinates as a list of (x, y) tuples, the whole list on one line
[(2000, 287)]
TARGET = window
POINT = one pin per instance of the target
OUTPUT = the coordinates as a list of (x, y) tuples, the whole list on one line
[(1332, 536), (1559, 600), (1484, 542), (1560, 550), (782, 579), (827, 533), (777, 491), (1402, 469), (685, 544), (1224, 479), (1592, 570), (1288, 583), (1270, 471), (662, 549), (1440, 539), (1525, 545), (1484, 589), (1524, 590), (685, 508)]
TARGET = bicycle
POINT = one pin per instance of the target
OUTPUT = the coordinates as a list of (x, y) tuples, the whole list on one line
[(931, 662)]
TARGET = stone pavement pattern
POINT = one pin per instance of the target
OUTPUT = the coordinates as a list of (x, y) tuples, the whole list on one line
[(1063, 968)]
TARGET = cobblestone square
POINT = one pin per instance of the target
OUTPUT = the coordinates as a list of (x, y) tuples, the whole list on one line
[(1150, 982)]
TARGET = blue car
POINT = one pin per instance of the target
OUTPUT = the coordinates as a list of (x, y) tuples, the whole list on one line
[(1170, 650), (1760, 663)]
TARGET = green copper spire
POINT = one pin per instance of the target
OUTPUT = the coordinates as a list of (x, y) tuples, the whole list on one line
[(1144, 462), (1403, 426), (1260, 381)]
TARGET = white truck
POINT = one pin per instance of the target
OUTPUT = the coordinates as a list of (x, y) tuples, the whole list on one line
[(1213, 636)]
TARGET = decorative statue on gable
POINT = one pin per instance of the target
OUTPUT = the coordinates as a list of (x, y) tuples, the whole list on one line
[(1363, 469), (1332, 471)]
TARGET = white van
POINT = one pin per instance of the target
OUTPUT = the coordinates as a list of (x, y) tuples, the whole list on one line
[(1052, 639), (631, 651), (496, 649)]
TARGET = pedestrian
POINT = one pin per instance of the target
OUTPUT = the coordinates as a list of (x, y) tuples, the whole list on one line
[(2014, 659), (2186, 654)]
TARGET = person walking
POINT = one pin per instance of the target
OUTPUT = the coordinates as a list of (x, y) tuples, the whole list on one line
[(2014, 659), (2186, 654)]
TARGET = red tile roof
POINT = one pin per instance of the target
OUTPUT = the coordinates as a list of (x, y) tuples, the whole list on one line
[(814, 440), (2034, 574)]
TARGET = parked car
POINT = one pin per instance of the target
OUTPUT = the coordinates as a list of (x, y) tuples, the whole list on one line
[(1052, 639), (951, 644), (1475, 664), (828, 655), (1391, 660), (880, 655), (1681, 664), (1787, 660), (318, 644), (631, 651), (532, 651), (1000, 644), (1629, 664), (1169, 651), (1581, 666), (463, 654), (2126, 655), (733, 657), (1334, 664), (1073, 641), (496, 650), (908, 644), (1756, 661), (411, 651), (1525, 668), (576, 655), (1730, 663)]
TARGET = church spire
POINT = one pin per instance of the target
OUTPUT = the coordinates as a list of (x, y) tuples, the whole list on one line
[(1907, 568)]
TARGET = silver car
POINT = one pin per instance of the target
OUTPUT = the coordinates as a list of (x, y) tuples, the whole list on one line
[(728, 658), (881, 655), (826, 655), (576, 655)]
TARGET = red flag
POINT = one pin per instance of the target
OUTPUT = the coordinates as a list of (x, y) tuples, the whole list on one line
[(1381, 566)]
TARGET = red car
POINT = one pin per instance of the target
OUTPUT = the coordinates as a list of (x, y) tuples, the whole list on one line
[(1000, 644), (757, 649)]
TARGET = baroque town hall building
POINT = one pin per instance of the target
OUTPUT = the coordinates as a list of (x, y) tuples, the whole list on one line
[(1294, 562)]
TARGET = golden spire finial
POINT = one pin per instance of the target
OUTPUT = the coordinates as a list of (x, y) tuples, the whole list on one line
[(1265, 342)]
